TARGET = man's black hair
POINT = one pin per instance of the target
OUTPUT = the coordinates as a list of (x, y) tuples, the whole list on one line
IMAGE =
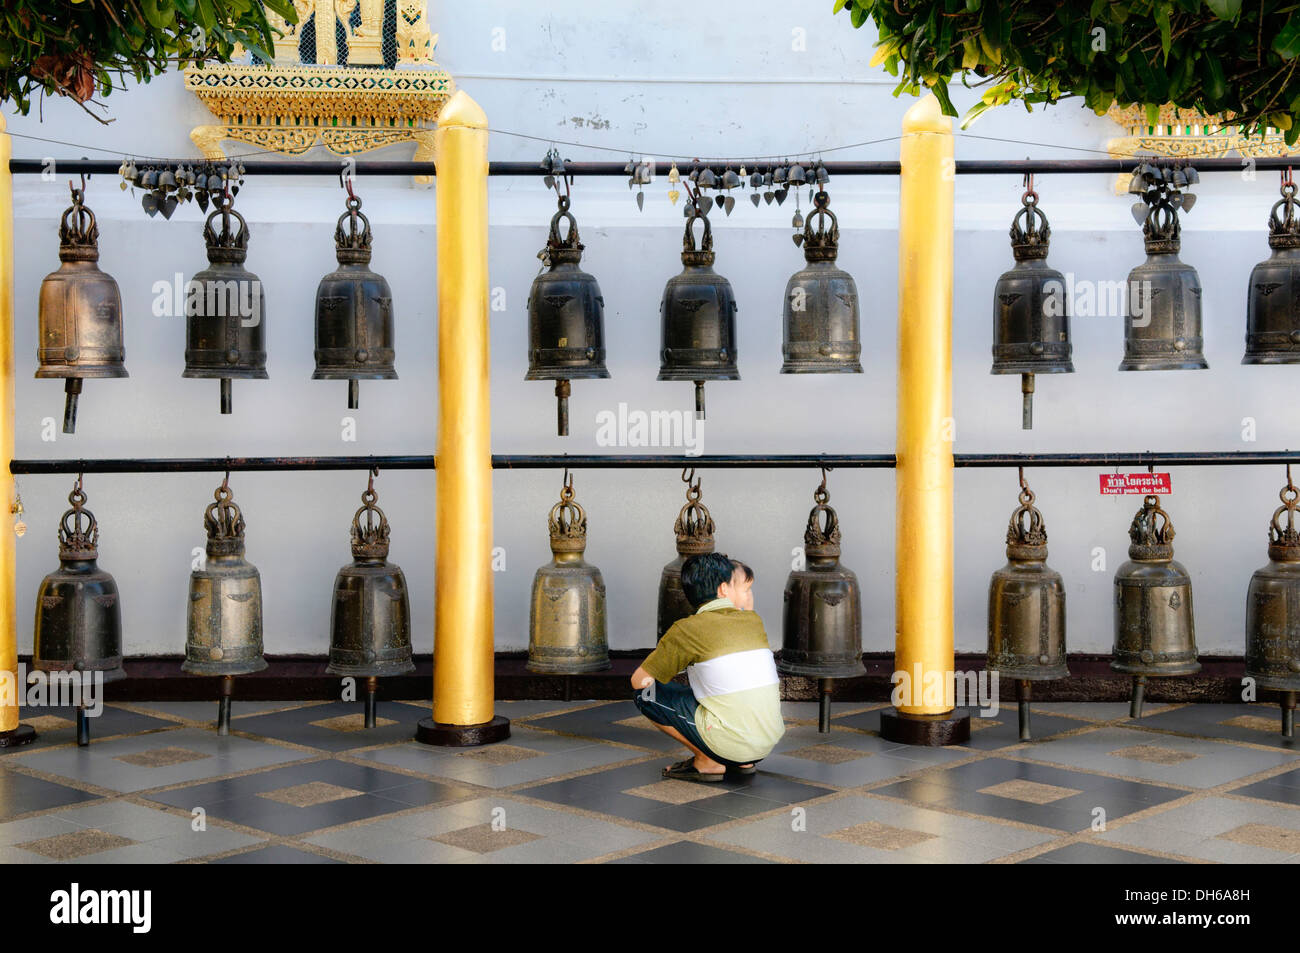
[(744, 570), (701, 576)]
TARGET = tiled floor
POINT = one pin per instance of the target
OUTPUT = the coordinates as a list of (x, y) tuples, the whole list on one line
[(579, 782)]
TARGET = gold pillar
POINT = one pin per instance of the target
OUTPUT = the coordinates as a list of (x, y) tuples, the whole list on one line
[(924, 560), (463, 631), (10, 691)]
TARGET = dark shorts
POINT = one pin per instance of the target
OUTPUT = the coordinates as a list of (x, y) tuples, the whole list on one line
[(673, 705)]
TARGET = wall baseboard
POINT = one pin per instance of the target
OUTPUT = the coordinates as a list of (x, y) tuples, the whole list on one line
[(300, 677)]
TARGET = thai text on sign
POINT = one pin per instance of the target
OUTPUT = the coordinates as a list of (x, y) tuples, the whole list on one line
[(1119, 483)]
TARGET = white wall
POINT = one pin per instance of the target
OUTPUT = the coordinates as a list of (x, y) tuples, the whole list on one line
[(651, 79)]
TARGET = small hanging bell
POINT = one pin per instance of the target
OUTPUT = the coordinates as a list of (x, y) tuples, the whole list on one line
[(80, 312), (1273, 298), (694, 530), (225, 322), (822, 624), (1273, 611), (820, 314), (354, 312), (1027, 609), (566, 318), (698, 318), (566, 621), (370, 616), (1031, 318), (1155, 629), (1162, 322), (78, 615)]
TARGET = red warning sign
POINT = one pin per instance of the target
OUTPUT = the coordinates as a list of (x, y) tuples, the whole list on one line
[(1113, 484)]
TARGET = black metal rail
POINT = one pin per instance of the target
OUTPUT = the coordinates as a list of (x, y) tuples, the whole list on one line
[(653, 461), (256, 167)]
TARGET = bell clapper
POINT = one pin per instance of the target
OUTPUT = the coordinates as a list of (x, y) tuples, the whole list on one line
[(1023, 692), (354, 394), (227, 395), (699, 400), (1288, 714), (824, 707), (1139, 690), (562, 391), (71, 390), (372, 693), (223, 704), (1027, 413)]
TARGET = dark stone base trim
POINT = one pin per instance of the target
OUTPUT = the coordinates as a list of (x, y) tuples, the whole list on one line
[(22, 735), (949, 728), (431, 732)]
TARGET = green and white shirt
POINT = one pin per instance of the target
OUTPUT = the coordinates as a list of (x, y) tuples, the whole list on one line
[(732, 673)]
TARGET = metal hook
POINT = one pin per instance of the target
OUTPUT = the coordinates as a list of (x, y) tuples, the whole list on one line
[(825, 469), (370, 482), (1287, 178), (688, 474), (1023, 484), (568, 480)]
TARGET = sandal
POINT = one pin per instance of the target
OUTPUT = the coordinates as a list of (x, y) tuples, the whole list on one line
[(743, 772), (686, 771)]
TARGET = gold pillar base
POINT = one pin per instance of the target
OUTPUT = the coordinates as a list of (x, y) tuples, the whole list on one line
[(22, 735), (948, 728), (431, 732)]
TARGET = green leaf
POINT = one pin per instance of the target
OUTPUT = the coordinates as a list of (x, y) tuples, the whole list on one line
[(839, 5), (1224, 9), (1162, 21), (940, 90), (1287, 42)]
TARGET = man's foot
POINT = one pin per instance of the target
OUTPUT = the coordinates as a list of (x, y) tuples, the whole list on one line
[(687, 771)]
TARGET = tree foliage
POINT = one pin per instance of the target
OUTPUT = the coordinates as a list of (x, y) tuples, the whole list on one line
[(75, 47), (1215, 56)]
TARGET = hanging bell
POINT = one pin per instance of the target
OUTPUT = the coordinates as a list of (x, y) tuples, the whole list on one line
[(354, 312), (1027, 609), (566, 318), (694, 530), (566, 620), (370, 618), (1162, 306), (1155, 631), (225, 319), (1273, 299), (1273, 611), (1031, 319), (822, 626), (80, 312), (225, 617), (698, 318), (821, 321), (78, 615)]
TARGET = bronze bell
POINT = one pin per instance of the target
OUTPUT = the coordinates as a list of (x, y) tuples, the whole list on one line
[(1273, 299), (694, 529), (822, 623), (370, 622), (698, 317), (1162, 306), (566, 621), (225, 321), (80, 312), (566, 317), (1027, 609), (78, 615), (225, 617), (1031, 320), (354, 312), (1273, 611), (821, 304), (1155, 630)]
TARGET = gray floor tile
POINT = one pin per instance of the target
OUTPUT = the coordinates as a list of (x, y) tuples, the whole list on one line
[(1192, 762), (99, 763)]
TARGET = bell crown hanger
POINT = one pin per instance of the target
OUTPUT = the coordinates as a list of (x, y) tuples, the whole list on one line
[(78, 530), (224, 523), (1151, 534)]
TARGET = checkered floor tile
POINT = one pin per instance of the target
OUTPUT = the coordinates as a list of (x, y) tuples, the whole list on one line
[(581, 782)]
